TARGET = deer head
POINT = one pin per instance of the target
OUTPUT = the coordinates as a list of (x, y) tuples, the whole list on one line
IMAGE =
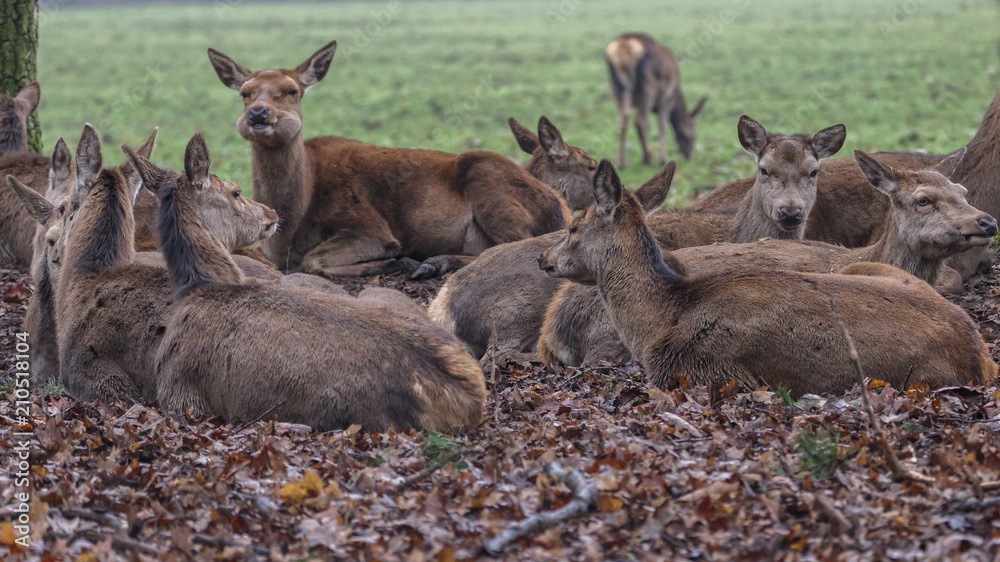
[(684, 127), (565, 168), (14, 114), (272, 99)]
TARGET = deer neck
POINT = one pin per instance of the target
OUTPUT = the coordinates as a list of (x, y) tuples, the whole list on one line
[(893, 248), (193, 256), (102, 234), (636, 290), (282, 180), (980, 166), (753, 223)]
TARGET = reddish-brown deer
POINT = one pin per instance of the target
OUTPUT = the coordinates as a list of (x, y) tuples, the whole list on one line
[(929, 221), (14, 113), (243, 350), (350, 208), (565, 168), (753, 326), (644, 75)]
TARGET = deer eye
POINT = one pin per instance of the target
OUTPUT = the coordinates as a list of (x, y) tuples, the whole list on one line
[(236, 194), (572, 230), (245, 95), (763, 171), (923, 201), (592, 168), (814, 173), (292, 93)]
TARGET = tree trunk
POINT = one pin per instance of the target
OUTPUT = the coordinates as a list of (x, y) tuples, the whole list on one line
[(18, 45)]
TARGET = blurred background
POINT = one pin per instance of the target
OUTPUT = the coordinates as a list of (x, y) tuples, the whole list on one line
[(446, 75)]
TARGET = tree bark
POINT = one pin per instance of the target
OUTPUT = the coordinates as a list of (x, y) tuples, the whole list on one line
[(18, 46)]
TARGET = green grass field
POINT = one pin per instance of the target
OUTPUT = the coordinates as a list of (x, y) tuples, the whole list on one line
[(912, 74)]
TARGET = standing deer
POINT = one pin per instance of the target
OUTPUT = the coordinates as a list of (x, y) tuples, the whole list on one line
[(503, 291), (351, 208), (929, 221), (644, 74), (244, 350), (753, 326)]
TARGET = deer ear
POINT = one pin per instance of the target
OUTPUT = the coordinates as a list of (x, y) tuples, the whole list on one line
[(752, 135), (130, 172), (232, 73), (607, 189), (155, 179), (550, 139), (884, 178), (653, 193), (827, 142), (197, 162), (314, 68), (28, 97), (88, 158), (37, 206), (698, 107), (526, 138), (61, 160), (146, 148), (949, 164)]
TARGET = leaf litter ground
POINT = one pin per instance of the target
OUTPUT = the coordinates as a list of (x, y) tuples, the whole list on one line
[(684, 472)]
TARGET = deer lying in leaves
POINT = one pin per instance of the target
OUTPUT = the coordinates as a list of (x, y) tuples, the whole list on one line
[(753, 326), (929, 221), (242, 350), (351, 208)]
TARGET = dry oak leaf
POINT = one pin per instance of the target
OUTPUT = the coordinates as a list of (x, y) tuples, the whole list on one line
[(309, 486)]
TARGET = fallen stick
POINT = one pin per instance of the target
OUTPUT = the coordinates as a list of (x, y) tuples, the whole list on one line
[(584, 499), (260, 417), (891, 459), (431, 468)]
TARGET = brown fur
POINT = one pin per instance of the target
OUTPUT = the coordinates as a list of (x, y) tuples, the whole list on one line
[(779, 328), (918, 239), (14, 113), (239, 350), (565, 168), (645, 74), (345, 202)]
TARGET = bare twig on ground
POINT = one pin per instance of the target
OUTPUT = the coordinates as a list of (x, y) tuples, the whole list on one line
[(891, 459), (260, 417), (431, 468), (584, 498)]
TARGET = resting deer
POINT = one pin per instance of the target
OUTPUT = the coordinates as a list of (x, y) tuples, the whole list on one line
[(503, 291), (777, 327), (15, 226), (14, 113), (351, 208), (848, 213), (565, 168), (644, 74), (929, 221), (110, 307), (244, 350)]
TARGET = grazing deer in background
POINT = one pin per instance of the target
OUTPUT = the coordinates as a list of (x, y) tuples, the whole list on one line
[(849, 213), (929, 221), (245, 350), (351, 208), (644, 74), (753, 326), (504, 291), (14, 113), (565, 168), (110, 309)]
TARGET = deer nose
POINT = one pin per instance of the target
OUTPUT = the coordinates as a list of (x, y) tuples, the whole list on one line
[(789, 217), (258, 115), (988, 224)]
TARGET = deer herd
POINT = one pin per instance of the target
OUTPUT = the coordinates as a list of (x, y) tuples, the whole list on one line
[(146, 287)]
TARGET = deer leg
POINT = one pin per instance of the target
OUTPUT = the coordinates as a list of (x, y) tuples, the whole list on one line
[(662, 119), (439, 265), (970, 262), (642, 126), (624, 108), (357, 253)]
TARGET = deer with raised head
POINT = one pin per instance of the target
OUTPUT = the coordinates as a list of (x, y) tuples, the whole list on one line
[(110, 306), (644, 74), (778, 327), (14, 113), (15, 225), (243, 350), (351, 208), (929, 221), (563, 167), (503, 293)]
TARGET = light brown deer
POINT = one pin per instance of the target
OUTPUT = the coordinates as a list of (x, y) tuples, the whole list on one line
[(110, 307), (14, 113), (351, 208), (848, 213), (929, 221), (565, 168), (243, 350), (777, 327), (644, 74), (16, 227), (503, 291)]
